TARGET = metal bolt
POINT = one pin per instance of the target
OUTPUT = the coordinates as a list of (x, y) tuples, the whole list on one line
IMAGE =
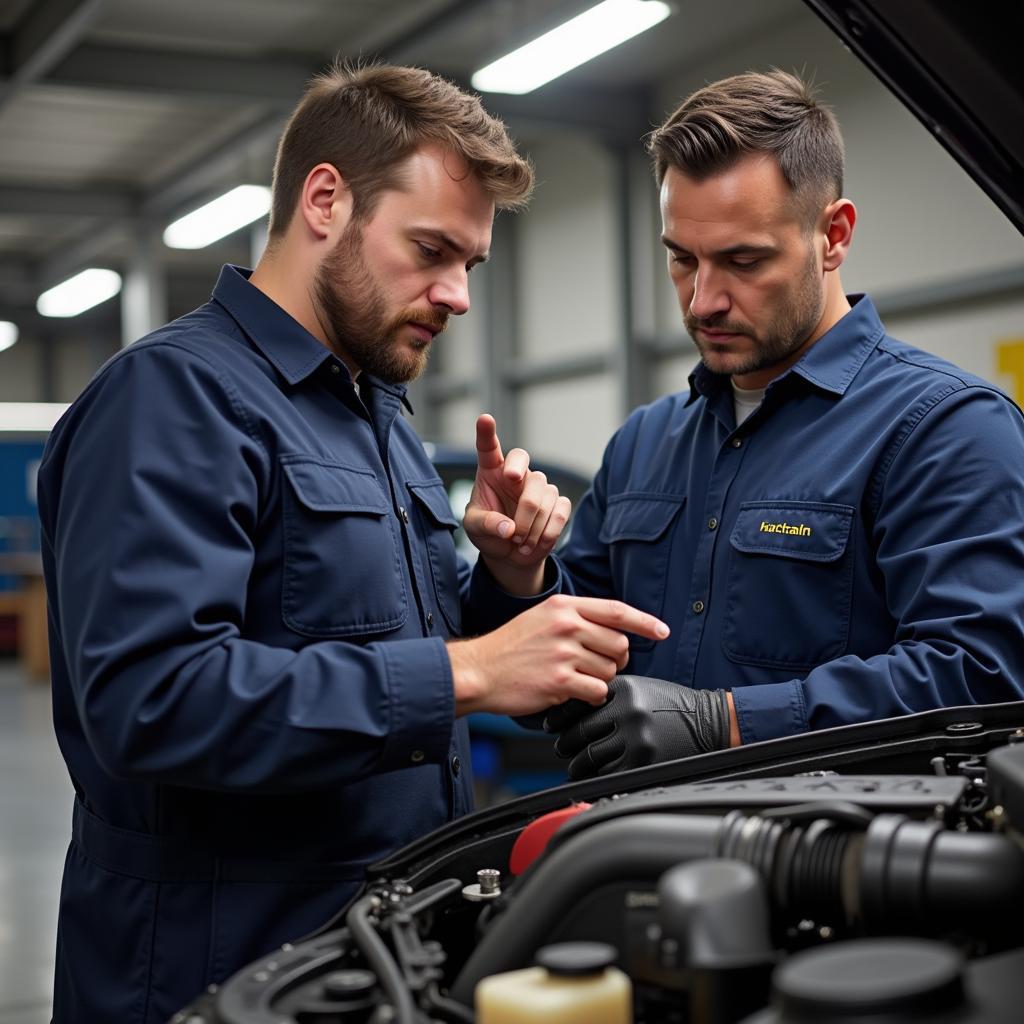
[(486, 887), (489, 880)]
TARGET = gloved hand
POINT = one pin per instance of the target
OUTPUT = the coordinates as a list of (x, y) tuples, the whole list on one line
[(644, 721)]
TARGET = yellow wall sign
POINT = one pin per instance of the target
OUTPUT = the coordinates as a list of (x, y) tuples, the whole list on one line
[(1010, 360)]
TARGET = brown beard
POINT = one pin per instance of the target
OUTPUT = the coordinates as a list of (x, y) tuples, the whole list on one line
[(783, 335), (352, 308)]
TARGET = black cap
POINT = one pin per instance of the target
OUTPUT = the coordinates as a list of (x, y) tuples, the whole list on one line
[(570, 959), (348, 984), (867, 978)]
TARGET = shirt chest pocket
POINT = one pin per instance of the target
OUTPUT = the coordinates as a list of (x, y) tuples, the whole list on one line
[(342, 575), (637, 530), (438, 523), (789, 584)]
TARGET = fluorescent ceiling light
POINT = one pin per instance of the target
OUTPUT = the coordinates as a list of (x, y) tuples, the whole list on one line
[(30, 417), (8, 334), (79, 293), (569, 45), (219, 217)]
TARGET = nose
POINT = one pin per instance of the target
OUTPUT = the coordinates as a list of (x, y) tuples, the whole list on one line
[(709, 297), (451, 290)]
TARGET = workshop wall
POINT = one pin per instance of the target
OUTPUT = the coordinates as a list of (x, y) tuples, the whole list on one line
[(925, 229), (930, 247)]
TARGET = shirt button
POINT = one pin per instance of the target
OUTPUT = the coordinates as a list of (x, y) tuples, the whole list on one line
[(698, 606), (416, 756), (405, 515), (456, 765), (737, 442), (430, 618), (335, 369), (712, 523)]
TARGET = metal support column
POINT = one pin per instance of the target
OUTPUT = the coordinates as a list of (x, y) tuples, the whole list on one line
[(144, 290), (501, 337), (636, 251), (257, 242)]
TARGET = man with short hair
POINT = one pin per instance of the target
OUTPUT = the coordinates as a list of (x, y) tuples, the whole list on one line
[(829, 520), (255, 602)]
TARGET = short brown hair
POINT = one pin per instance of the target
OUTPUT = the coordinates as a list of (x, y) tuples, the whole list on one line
[(365, 120), (759, 112)]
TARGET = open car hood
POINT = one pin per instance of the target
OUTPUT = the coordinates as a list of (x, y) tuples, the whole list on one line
[(957, 67)]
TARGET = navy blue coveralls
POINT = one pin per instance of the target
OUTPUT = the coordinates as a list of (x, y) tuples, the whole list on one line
[(251, 578), (853, 551)]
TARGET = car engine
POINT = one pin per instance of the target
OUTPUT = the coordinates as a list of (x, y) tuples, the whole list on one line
[(870, 873)]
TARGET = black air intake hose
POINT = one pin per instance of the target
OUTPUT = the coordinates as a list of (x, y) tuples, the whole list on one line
[(900, 875), (917, 877), (640, 847)]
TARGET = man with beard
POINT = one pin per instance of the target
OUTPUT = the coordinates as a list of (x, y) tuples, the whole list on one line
[(256, 609), (829, 520)]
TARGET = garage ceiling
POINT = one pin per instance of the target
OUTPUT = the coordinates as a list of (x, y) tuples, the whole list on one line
[(118, 115)]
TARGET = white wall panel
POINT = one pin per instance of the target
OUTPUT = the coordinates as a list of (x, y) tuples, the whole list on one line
[(672, 374), (458, 351), (21, 373), (968, 335), (457, 423), (567, 244), (922, 219), (76, 363), (570, 421)]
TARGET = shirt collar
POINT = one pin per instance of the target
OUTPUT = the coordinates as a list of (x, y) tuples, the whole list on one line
[(278, 335), (830, 363)]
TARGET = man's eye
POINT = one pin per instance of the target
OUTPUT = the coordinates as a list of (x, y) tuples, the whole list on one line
[(746, 264), (681, 260), (428, 252)]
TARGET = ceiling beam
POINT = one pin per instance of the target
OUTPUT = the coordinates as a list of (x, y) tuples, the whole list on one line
[(215, 77), (611, 115), (273, 86), (48, 32), (42, 200), (164, 199)]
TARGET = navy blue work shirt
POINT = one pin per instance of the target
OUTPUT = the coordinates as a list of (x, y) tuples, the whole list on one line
[(853, 551), (251, 579)]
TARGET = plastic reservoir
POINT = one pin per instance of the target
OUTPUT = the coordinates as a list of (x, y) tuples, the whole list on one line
[(575, 983)]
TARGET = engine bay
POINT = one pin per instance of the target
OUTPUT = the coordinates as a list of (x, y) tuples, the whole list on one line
[(876, 873)]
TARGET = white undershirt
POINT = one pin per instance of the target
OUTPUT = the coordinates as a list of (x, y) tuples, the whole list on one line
[(745, 400)]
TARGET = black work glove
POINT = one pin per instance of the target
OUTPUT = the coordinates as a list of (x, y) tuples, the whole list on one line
[(644, 721)]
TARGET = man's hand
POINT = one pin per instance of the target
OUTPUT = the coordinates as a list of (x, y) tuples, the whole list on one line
[(514, 515), (563, 648), (644, 721)]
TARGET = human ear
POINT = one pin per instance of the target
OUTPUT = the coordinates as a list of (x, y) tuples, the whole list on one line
[(325, 203), (838, 220)]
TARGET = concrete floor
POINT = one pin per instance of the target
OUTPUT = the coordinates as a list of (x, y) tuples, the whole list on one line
[(35, 826)]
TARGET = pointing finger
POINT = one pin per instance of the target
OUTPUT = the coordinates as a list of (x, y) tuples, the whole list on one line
[(618, 615), (488, 447)]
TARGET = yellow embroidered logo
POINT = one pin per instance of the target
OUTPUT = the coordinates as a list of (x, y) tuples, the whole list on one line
[(796, 531)]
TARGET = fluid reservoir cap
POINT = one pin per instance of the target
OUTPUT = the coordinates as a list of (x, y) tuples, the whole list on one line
[(348, 984), (868, 977), (574, 959)]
